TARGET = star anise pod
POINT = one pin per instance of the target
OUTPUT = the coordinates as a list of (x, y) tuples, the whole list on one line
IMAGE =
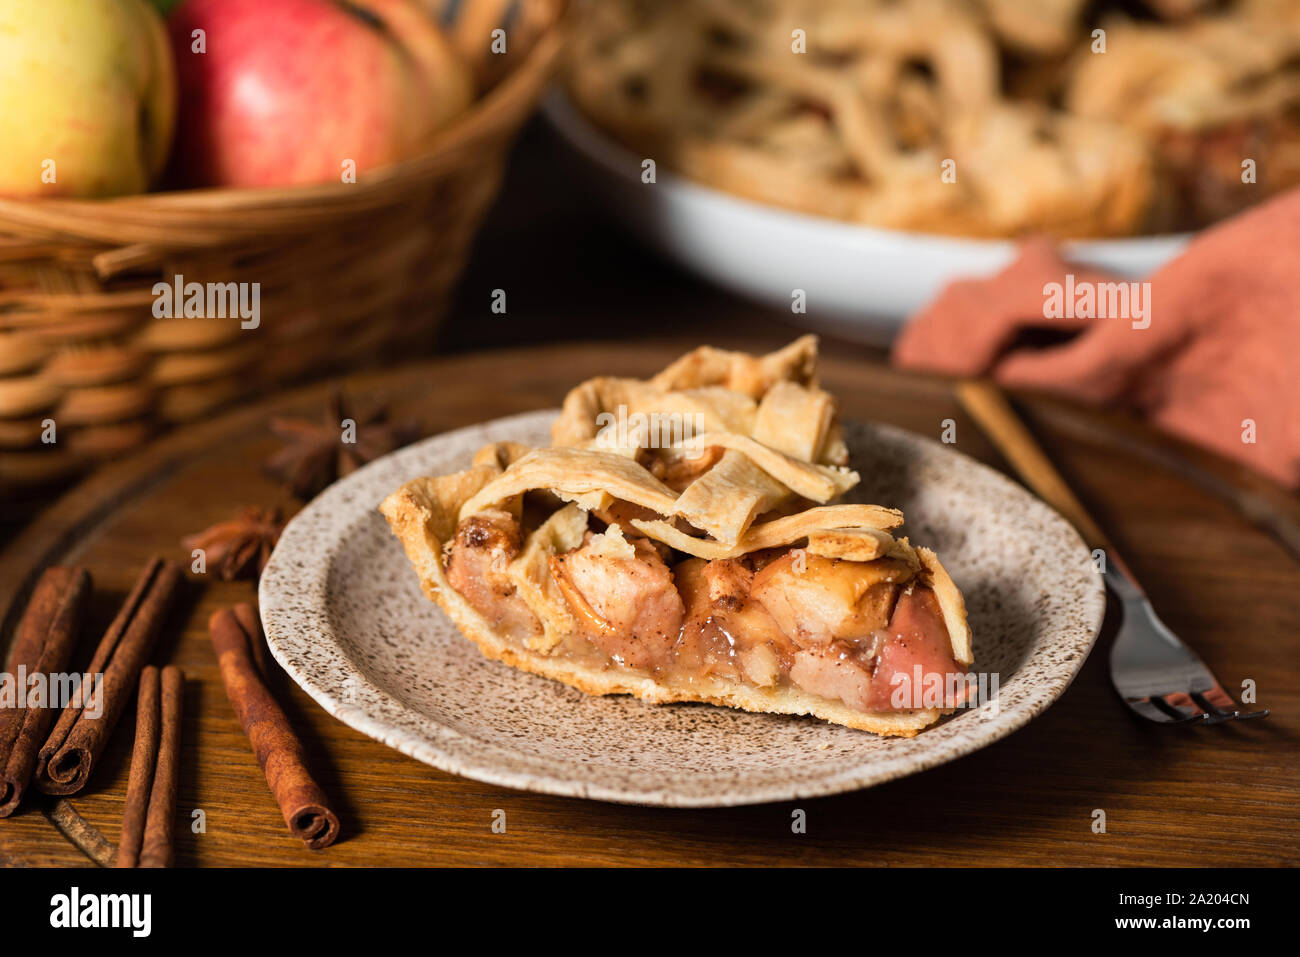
[(317, 453), (242, 545)]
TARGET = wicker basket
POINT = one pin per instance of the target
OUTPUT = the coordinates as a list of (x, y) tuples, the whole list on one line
[(349, 274)]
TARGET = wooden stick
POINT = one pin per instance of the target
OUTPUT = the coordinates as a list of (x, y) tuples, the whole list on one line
[(81, 833), (987, 405), (993, 413)]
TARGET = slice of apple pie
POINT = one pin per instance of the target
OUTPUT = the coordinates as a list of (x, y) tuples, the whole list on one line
[(685, 538)]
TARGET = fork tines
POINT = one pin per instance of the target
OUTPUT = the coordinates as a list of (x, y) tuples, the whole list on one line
[(1210, 707)]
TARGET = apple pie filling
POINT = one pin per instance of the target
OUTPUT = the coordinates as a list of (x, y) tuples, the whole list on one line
[(723, 563), (850, 631)]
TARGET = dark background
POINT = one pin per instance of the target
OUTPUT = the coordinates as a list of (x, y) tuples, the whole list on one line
[(571, 271)]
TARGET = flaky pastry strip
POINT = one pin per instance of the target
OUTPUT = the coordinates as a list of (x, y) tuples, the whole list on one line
[(576, 473), (794, 420), (584, 403), (530, 572), (1045, 26), (609, 412), (951, 604), (834, 450), (817, 483), (850, 544), (861, 545), (713, 390), (741, 372), (500, 455), (665, 419), (729, 496), (779, 531)]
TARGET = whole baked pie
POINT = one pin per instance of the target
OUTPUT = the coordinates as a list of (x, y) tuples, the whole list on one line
[(686, 538), (965, 117)]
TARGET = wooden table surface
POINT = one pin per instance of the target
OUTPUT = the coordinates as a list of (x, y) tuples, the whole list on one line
[(1227, 795)]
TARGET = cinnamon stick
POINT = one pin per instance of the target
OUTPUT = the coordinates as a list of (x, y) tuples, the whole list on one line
[(69, 754), (249, 621), (144, 762), (43, 644), (158, 848), (235, 634)]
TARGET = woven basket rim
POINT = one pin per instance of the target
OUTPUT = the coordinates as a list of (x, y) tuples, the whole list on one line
[(489, 117)]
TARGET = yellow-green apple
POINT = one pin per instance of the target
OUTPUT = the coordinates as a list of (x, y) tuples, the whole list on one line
[(87, 97), (279, 92)]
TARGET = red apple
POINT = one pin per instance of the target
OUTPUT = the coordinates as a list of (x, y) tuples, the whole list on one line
[(290, 91)]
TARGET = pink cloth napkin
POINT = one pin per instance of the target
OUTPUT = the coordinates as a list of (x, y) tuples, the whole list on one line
[(1209, 349)]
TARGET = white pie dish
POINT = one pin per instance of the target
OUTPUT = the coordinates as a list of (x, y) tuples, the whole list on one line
[(345, 617), (860, 282)]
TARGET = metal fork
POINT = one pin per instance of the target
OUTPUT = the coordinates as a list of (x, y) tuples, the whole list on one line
[(1156, 675)]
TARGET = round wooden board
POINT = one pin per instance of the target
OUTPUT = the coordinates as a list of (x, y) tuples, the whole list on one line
[(1228, 795)]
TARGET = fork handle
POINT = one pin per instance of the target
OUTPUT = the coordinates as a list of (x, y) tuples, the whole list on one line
[(988, 406)]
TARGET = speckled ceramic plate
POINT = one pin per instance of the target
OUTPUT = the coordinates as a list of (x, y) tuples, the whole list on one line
[(345, 616)]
